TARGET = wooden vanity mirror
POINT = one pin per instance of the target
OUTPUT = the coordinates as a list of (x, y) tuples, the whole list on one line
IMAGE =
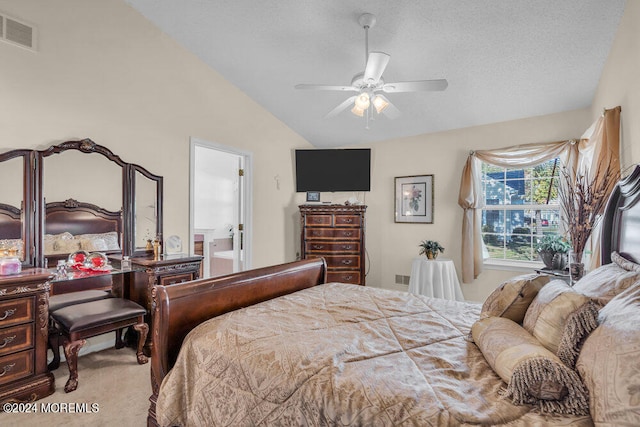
[(77, 195), (16, 229)]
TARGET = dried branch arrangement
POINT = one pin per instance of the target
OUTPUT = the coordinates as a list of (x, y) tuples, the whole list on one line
[(583, 199)]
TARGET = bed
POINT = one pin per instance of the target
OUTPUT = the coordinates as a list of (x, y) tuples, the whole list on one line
[(279, 346), (73, 225)]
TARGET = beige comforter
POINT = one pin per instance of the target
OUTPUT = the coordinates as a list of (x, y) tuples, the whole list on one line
[(339, 354)]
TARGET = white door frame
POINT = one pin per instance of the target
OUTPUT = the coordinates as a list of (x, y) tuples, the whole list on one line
[(247, 194)]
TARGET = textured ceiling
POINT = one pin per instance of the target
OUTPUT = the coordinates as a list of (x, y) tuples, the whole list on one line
[(504, 59)]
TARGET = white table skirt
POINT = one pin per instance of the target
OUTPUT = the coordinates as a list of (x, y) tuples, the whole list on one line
[(435, 278)]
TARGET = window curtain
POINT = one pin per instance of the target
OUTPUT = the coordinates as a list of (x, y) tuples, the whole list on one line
[(471, 200), (601, 147), (597, 155)]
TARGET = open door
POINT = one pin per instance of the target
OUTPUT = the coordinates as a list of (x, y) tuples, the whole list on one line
[(219, 213)]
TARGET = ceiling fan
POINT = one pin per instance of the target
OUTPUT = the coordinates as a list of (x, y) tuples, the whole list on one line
[(369, 85)]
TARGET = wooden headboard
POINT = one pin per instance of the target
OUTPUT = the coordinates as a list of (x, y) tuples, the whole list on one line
[(10, 222), (621, 222), (80, 218)]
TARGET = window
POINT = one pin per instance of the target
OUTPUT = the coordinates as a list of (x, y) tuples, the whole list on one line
[(521, 205)]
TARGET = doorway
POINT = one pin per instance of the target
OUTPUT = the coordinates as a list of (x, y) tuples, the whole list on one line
[(220, 195)]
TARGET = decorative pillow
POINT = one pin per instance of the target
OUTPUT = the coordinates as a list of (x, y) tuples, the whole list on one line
[(58, 243), (65, 246), (624, 263), (550, 310), (609, 362), (110, 239), (607, 281), (13, 244), (92, 245), (512, 298), (534, 375)]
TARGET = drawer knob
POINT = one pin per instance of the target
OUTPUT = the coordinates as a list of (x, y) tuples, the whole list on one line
[(348, 220), (348, 234), (7, 368), (8, 313), (347, 277), (346, 247), (318, 247), (317, 233), (346, 261), (7, 340)]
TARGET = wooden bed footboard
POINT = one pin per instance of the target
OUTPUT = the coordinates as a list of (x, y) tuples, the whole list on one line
[(182, 307)]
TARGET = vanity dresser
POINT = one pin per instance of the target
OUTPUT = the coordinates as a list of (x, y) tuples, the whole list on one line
[(24, 320), (336, 233), (149, 272)]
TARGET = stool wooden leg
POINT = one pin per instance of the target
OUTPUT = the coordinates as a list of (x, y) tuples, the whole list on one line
[(143, 330), (119, 342), (71, 349), (54, 344)]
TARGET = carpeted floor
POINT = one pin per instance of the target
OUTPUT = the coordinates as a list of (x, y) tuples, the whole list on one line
[(111, 378)]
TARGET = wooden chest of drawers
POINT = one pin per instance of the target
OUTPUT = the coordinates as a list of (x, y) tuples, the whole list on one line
[(168, 270), (336, 233), (24, 321)]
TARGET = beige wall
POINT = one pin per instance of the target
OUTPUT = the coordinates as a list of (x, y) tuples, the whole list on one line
[(620, 83), (393, 246), (104, 72)]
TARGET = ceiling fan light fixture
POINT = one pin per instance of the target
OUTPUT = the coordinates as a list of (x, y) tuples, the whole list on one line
[(357, 111), (362, 101), (380, 103)]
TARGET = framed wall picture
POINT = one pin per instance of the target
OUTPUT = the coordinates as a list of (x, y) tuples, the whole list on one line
[(313, 196), (414, 199)]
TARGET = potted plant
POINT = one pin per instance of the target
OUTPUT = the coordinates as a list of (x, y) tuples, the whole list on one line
[(553, 250), (430, 248)]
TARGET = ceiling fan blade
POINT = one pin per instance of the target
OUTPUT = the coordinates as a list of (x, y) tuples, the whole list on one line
[(415, 86), (390, 110), (340, 108), (376, 64), (326, 87)]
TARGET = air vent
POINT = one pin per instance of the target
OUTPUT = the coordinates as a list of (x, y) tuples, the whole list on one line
[(17, 32)]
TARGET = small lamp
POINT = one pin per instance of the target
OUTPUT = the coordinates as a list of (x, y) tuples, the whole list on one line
[(380, 103), (362, 101), (357, 111)]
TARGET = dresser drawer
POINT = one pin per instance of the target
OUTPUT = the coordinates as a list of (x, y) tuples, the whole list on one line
[(16, 310), (16, 338), (348, 221), (344, 277), (172, 279), (331, 247), (332, 233), (318, 220), (16, 366), (342, 261)]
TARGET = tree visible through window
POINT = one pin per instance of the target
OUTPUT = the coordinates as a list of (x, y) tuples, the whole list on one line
[(521, 205)]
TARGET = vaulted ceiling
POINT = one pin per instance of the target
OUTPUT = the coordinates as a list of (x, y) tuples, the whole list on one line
[(503, 59)]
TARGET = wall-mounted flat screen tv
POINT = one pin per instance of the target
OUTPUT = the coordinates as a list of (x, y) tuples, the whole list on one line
[(333, 170)]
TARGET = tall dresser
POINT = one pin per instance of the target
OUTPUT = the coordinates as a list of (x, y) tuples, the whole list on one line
[(24, 319), (336, 233)]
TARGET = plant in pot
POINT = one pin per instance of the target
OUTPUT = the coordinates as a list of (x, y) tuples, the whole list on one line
[(430, 248), (553, 250)]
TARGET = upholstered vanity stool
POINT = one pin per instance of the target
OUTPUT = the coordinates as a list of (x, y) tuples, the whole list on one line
[(75, 323), (56, 302)]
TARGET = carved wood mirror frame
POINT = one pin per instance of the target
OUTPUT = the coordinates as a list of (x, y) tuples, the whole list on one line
[(32, 211)]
